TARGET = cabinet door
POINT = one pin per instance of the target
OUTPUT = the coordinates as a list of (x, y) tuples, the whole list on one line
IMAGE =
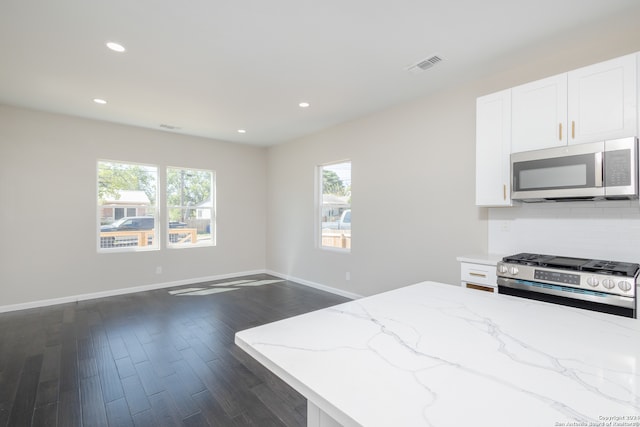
[(602, 101), (493, 146), (539, 114)]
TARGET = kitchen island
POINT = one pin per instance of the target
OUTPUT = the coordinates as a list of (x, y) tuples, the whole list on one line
[(433, 354)]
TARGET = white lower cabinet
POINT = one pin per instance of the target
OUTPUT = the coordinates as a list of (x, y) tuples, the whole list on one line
[(479, 272)]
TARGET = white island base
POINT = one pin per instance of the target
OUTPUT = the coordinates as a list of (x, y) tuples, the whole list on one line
[(316, 417), (432, 354)]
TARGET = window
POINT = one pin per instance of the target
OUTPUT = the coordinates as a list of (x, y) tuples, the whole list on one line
[(335, 205), (127, 197), (122, 212), (190, 207)]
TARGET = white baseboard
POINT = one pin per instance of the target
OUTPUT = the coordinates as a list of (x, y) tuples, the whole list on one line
[(153, 286), (311, 284), (110, 293)]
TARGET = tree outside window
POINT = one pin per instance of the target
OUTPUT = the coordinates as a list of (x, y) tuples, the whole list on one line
[(335, 205), (127, 196), (190, 207)]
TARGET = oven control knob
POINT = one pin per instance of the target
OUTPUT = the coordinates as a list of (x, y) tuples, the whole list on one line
[(608, 283), (503, 268), (592, 281), (513, 270), (624, 285)]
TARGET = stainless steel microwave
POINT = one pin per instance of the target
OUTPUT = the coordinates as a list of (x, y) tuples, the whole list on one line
[(594, 171)]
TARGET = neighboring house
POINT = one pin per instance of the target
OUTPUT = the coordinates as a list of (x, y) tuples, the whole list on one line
[(204, 210), (129, 203), (333, 206)]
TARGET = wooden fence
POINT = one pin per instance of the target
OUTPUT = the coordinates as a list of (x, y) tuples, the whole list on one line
[(144, 236), (336, 240)]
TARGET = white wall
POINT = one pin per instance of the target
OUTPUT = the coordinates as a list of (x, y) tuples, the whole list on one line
[(413, 191), (413, 176), (48, 207), (607, 230), (412, 198)]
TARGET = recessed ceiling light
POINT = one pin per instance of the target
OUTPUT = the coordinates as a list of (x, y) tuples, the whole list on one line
[(242, 131), (99, 101), (116, 47), (304, 104)]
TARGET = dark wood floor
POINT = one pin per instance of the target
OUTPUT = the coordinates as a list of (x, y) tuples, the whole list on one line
[(149, 359)]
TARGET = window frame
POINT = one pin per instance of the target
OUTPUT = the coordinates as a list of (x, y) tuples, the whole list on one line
[(155, 207), (212, 218), (319, 210)]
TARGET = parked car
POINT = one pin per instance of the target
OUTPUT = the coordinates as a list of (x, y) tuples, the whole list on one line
[(344, 223), (132, 223)]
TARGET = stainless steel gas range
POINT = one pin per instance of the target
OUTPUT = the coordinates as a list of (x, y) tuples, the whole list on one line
[(605, 286)]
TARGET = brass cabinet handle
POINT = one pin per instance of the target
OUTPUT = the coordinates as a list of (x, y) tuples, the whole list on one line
[(477, 274), (479, 288), (573, 129), (504, 191), (560, 131)]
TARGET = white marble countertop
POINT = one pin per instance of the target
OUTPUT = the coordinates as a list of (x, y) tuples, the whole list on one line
[(486, 259), (437, 355)]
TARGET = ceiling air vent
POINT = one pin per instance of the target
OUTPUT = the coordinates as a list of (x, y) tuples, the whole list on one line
[(425, 64)]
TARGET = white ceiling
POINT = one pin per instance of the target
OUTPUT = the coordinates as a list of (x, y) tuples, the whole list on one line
[(211, 67)]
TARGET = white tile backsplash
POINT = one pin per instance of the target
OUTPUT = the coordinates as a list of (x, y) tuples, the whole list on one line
[(603, 230)]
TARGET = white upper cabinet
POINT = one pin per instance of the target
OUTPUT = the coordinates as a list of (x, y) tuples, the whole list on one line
[(602, 101), (539, 114), (589, 104), (493, 147)]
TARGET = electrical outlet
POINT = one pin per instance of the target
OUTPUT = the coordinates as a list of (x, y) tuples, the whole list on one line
[(158, 270), (348, 275)]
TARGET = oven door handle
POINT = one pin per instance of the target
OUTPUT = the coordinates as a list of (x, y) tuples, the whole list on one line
[(544, 288)]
